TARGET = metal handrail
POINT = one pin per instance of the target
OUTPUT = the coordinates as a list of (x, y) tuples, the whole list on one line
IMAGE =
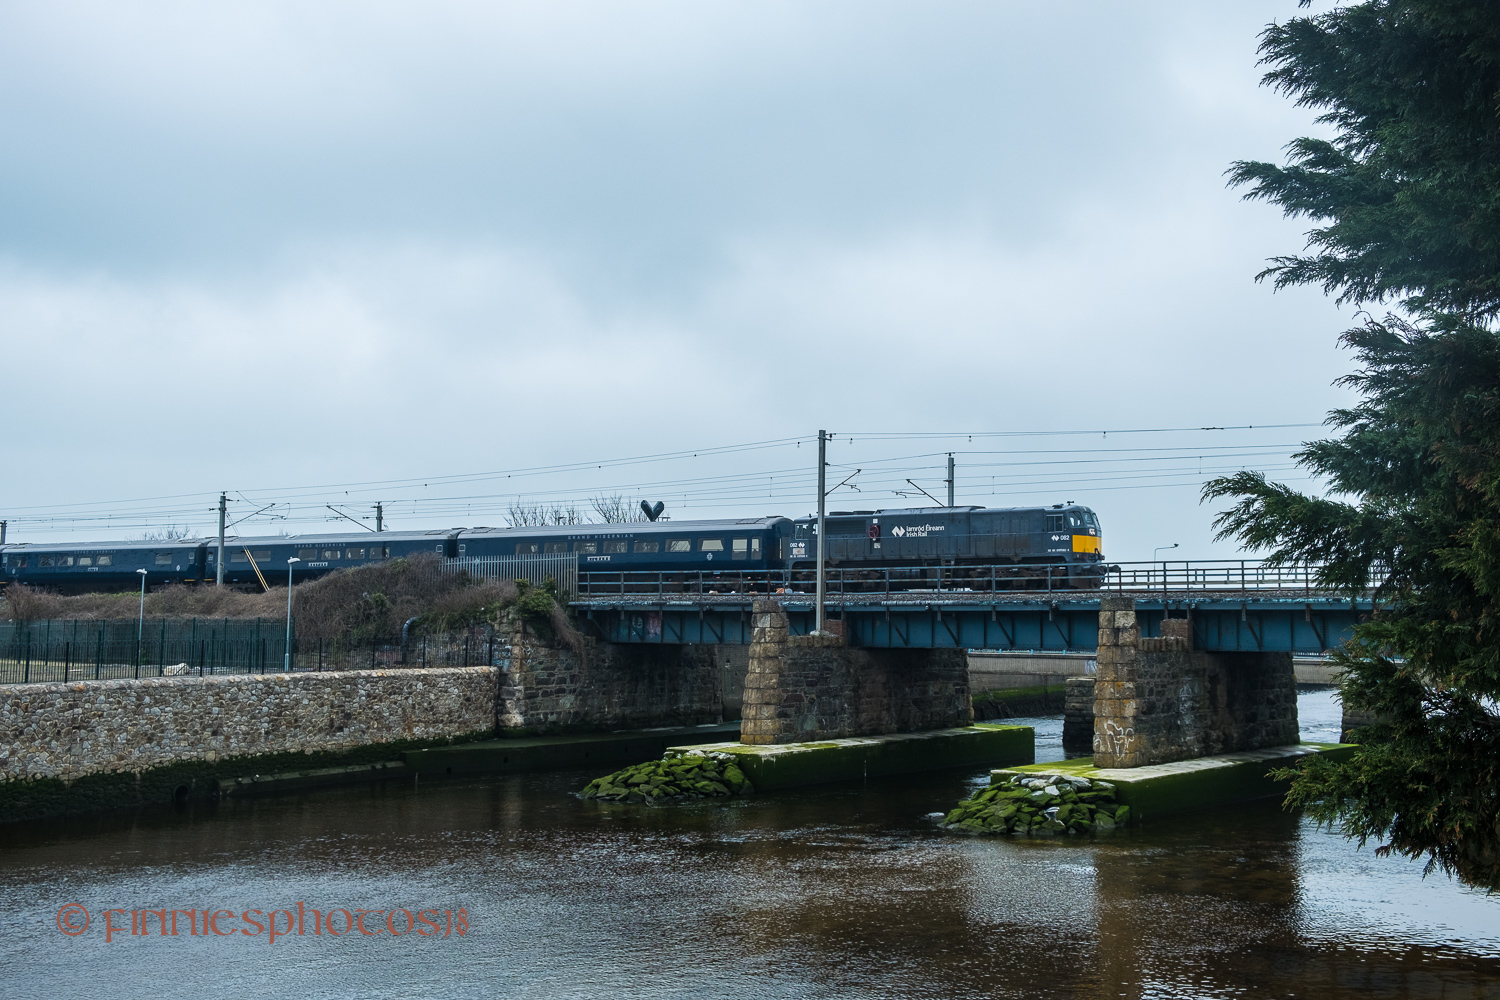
[(1163, 576)]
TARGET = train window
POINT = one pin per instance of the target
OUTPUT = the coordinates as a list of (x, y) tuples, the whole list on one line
[(379, 552), (18, 565), (527, 548), (1074, 521), (616, 547), (354, 553), (463, 550), (755, 548), (85, 560), (44, 562), (164, 559), (643, 546), (740, 548), (1054, 522), (307, 554), (103, 560), (710, 545), (803, 531), (262, 554), (238, 555), (679, 545), (586, 548), (555, 547), (327, 554)]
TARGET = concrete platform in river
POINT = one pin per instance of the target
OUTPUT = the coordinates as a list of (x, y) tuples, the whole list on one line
[(788, 765), (1158, 790)]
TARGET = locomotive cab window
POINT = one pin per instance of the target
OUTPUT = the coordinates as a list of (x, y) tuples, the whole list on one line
[(586, 548), (644, 546), (555, 547), (679, 545), (710, 545), (617, 547), (526, 548), (739, 548), (1074, 521)]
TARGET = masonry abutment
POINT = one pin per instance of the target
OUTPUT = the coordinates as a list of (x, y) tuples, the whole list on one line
[(816, 687), (1157, 699)]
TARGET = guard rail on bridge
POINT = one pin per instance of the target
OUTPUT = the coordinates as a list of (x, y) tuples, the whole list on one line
[(1164, 577)]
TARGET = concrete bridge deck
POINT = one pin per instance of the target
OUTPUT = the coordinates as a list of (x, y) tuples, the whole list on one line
[(1228, 621)]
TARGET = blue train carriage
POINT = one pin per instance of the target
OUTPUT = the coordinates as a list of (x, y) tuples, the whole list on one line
[(681, 549), (91, 567), (320, 554), (1063, 542)]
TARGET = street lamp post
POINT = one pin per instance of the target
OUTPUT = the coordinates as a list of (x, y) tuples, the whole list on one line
[(1163, 572), (287, 665), (140, 625)]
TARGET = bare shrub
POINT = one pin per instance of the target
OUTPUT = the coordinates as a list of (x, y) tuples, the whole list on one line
[(364, 604)]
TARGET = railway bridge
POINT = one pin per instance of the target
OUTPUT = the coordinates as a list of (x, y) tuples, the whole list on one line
[(1190, 662)]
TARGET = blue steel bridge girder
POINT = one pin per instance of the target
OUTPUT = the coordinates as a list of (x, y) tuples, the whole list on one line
[(1307, 625)]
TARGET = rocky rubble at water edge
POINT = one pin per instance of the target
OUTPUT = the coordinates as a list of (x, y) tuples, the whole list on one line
[(695, 774), (1039, 804)]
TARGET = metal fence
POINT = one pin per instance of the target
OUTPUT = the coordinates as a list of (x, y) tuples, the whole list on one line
[(77, 649), (72, 650), (559, 567), (1219, 575)]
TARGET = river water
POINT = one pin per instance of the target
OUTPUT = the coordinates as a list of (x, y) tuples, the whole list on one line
[(838, 891)]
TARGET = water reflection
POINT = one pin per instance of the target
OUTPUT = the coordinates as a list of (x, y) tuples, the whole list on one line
[(846, 891)]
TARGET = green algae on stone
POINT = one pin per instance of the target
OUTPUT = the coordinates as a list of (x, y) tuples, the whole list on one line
[(1039, 804), (695, 774)]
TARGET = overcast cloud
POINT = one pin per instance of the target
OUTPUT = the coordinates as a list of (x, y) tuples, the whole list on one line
[(259, 246)]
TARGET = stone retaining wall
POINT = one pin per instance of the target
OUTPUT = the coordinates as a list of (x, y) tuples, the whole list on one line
[(622, 686), (69, 730)]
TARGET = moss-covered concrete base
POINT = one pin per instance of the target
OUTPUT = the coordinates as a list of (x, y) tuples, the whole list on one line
[(1163, 789), (788, 765), (544, 753)]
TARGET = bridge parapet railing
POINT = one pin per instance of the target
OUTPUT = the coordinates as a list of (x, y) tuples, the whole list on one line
[(1168, 576)]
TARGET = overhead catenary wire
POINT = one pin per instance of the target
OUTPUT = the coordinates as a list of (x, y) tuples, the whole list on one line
[(1110, 466)]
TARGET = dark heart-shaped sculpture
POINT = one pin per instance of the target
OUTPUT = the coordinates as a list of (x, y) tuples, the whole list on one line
[(652, 510)]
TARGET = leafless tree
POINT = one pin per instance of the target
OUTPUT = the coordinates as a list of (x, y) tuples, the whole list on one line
[(171, 533), (615, 509), (522, 515)]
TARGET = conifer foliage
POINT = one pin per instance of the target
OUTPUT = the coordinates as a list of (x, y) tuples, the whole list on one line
[(1409, 194)]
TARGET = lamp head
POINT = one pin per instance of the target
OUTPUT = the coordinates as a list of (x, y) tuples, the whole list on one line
[(293, 559), (141, 571)]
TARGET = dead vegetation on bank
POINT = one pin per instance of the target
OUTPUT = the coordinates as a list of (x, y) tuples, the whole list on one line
[(367, 604)]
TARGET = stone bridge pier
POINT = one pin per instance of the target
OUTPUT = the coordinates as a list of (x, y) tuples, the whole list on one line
[(816, 687), (1158, 700)]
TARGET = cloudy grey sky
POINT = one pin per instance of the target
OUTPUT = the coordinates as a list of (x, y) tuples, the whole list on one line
[(279, 248)]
